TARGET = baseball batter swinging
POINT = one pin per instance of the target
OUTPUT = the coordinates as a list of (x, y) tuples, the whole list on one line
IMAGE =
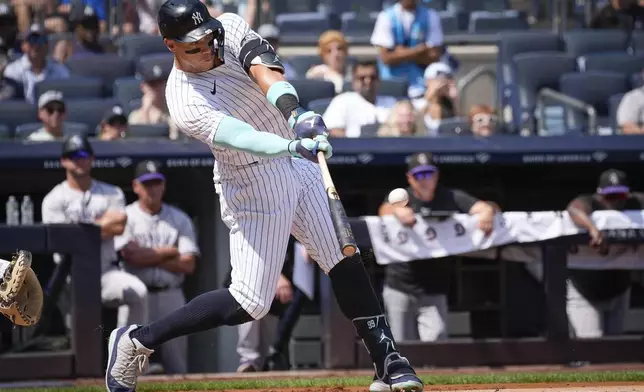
[(227, 90)]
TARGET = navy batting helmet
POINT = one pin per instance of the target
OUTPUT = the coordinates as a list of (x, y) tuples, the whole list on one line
[(189, 21)]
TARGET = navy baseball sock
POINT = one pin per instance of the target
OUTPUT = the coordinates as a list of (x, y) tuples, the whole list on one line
[(207, 311), (358, 302)]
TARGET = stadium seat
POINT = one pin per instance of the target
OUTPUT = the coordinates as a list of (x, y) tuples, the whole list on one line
[(88, 111), (148, 131), (291, 6), (15, 112), (449, 22), (479, 5), (108, 67), (301, 64), (594, 88), (74, 87), (134, 46), (535, 71), (613, 104), (305, 27), (369, 130), (392, 87), (454, 127), (70, 128), (493, 22), (509, 45), (319, 105), (309, 90), (637, 41), (621, 62), (165, 60), (126, 90), (637, 79), (366, 6), (5, 132), (581, 42), (357, 28)]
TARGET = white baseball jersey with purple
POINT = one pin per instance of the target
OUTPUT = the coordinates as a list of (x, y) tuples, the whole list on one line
[(262, 200)]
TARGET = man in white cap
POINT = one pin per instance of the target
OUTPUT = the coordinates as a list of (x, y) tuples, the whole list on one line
[(114, 124), (440, 99), (52, 113)]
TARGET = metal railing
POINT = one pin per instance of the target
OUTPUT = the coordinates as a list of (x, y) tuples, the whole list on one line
[(471, 77), (569, 102)]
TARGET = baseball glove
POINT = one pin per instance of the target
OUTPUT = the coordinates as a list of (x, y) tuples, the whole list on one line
[(26, 307)]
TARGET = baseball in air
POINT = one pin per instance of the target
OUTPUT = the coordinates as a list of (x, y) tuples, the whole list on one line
[(398, 196)]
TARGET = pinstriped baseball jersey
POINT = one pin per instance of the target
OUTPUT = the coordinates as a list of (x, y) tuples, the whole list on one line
[(262, 201), (66, 205), (170, 227), (198, 102)]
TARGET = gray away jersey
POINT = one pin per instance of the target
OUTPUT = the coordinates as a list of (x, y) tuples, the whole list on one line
[(198, 111), (170, 227), (66, 205)]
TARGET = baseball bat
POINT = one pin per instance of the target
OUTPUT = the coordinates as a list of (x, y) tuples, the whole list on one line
[(338, 215)]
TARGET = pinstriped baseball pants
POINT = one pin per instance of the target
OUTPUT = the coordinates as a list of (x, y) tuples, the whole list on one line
[(262, 204)]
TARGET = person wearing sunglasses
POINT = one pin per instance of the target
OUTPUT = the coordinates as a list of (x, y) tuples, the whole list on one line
[(114, 124), (52, 113), (415, 292), (597, 301), (85, 26), (483, 121), (34, 65)]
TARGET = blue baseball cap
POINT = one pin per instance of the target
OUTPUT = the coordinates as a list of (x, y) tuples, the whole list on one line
[(613, 182), (422, 162), (149, 171)]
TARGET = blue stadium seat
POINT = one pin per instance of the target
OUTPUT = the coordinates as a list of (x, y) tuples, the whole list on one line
[(165, 60), (395, 87), (74, 87), (449, 22), (319, 105), (369, 130), (16, 112), (594, 88), (305, 27), (581, 42), (493, 22), (613, 104), (535, 71), (88, 111), (438, 5), (510, 44), (637, 41), (126, 90), (342, 6), (478, 5), (613, 61), (301, 64), (309, 90), (70, 128), (357, 28), (148, 131), (108, 67), (5, 132), (637, 79), (290, 6), (134, 46), (454, 127)]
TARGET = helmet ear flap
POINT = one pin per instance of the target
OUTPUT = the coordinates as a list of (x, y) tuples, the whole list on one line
[(220, 37)]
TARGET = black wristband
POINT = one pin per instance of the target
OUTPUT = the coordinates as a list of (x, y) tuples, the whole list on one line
[(287, 104)]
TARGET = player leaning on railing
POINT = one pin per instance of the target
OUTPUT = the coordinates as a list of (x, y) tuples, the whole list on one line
[(21, 296)]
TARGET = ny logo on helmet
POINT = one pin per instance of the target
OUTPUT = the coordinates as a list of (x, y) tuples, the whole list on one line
[(197, 18)]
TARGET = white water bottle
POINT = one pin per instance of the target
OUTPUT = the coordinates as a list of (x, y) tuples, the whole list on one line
[(27, 211), (12, 211)]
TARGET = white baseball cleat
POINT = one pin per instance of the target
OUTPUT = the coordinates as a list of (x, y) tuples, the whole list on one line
[(128, 358)]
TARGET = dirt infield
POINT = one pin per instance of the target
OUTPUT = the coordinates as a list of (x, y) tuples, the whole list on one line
[(569, 387)]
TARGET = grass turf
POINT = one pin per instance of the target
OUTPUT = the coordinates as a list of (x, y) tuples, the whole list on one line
[(446, 379)]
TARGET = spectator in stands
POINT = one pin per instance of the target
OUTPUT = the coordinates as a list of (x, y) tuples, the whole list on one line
[(630, 112), (409, 37), (147, 11), (351, 110), (114, 124), (415, 293), (153, 108), (271, 33), (159, 246), (30, 11), (52, 113), (619, 14), (84, 23), (34, 65), (483, 120), (82, 199), (56, 23), (99, 7), (8, 88), (334, 51), (439, 101), (8, 30), (403, 121), (597, 301)]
